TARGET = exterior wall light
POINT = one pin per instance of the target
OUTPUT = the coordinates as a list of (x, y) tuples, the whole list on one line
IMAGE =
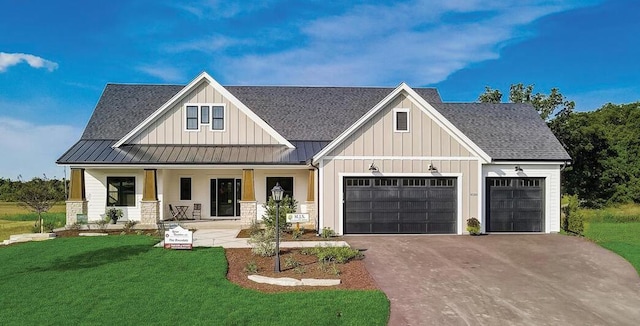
[(518, 168)]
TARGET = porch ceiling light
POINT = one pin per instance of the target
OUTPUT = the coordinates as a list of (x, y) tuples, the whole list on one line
[(277, 192)]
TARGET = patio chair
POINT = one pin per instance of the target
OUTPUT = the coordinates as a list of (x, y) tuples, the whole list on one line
[(174, 213), (197, 211)]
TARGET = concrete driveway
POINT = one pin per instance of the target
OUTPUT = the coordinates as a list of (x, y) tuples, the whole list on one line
[(501, 280)]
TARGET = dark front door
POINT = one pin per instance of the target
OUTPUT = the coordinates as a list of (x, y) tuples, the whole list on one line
[(225, 197), (400, 205), (515, 204)]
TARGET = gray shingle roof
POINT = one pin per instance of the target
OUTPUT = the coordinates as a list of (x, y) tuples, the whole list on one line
[(505, 131)]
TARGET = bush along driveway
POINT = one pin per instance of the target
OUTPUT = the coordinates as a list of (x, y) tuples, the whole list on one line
[(501, 280)]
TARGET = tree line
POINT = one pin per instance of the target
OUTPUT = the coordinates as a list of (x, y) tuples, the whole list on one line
[(604, 144), (10, 190)]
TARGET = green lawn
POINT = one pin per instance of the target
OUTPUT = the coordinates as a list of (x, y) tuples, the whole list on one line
[(124, 280), (621, 238)]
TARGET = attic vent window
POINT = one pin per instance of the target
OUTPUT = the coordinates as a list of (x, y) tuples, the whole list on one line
[(401, 120)]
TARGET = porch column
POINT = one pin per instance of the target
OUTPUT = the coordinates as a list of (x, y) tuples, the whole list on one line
[(150, 206), (248, 204), (311, 198), (77, 201)]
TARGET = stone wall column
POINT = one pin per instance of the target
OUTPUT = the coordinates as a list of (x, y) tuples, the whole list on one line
[(248, 212), (150, 206), (77, 201)]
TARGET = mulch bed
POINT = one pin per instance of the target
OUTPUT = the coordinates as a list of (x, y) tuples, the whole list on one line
[(308, 235), (353, 275)]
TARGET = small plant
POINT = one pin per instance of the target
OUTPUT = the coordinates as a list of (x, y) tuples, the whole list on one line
[(139, 232), (297, 233), (572, 219), (102, 224), (263, 243), (128, 226), (47, 227), (251, 267), (291, 262), (255, 227), (300, 270), (339, 255), (329, 268), (473, 226), (75, 226), (308, 251), (327, 233), (114, 214)]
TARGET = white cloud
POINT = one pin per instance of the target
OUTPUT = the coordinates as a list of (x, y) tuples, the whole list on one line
[(218, 9), (30, 149), (166, 73), (421, 42), (595, 99), (11, 59), (209, 44)]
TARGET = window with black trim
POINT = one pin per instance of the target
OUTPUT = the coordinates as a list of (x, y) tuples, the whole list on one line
[(192, 118), (218, 118), (185, 188), (285, 182), (121, 191)]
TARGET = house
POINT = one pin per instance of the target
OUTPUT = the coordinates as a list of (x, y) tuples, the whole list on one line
[(357, 159)]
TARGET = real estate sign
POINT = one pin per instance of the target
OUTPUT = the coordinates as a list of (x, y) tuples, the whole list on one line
[(298, 218), (178, 238)]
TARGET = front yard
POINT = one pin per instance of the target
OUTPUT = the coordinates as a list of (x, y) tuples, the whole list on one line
[(124, 280)]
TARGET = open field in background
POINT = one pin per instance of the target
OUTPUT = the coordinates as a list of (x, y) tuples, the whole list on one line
[(617, 229), (124, 280), (17, 220)]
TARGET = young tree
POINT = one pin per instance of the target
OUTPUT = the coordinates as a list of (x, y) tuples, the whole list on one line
[(38, 196)]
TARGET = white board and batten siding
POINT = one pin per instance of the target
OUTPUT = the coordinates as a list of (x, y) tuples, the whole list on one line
[(399, 154), (170, 127), (96, 190), (551, 174)]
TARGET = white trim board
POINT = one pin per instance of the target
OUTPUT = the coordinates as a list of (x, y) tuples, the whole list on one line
[(415, 158), (189, 167), (203, 77)]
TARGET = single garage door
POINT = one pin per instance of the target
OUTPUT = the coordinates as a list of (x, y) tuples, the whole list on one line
[(400, 205), (515, 204)]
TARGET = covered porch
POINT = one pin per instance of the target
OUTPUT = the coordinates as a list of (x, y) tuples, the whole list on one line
[(220, 193)]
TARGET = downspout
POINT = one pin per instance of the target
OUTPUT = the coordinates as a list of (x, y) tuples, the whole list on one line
[(317, 196)]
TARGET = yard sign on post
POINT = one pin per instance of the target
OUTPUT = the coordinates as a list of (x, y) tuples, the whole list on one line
[(178, 238), (297, 218)]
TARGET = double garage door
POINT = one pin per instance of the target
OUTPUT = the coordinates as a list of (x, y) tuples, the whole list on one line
[(400, 205), (429, 205)]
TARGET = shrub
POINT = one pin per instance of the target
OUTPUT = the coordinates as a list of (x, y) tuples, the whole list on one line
[(572, 218), (473, 226), (339, 255), (329, 268), (128, 226), (327, 233), (287, 205), (263, 243), (102, 224), (296, 233), (254, 227), (75, 226), (251, 267), (291, 262), (300, 270), (48, 226)]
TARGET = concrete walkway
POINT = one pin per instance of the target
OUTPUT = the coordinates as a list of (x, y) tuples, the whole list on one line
[(223, 234)]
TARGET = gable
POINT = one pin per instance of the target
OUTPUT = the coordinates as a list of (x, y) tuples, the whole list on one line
[(192, 88), (424, 137), (170, 127)]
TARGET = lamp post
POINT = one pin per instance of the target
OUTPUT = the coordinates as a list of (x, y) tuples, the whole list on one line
[(276, 193)]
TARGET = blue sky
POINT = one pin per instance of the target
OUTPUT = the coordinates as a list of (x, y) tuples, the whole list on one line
[(57, 56)]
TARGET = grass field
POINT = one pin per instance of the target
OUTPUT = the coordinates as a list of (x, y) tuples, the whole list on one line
[(124, 280), (617, 229), (16, 220)]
